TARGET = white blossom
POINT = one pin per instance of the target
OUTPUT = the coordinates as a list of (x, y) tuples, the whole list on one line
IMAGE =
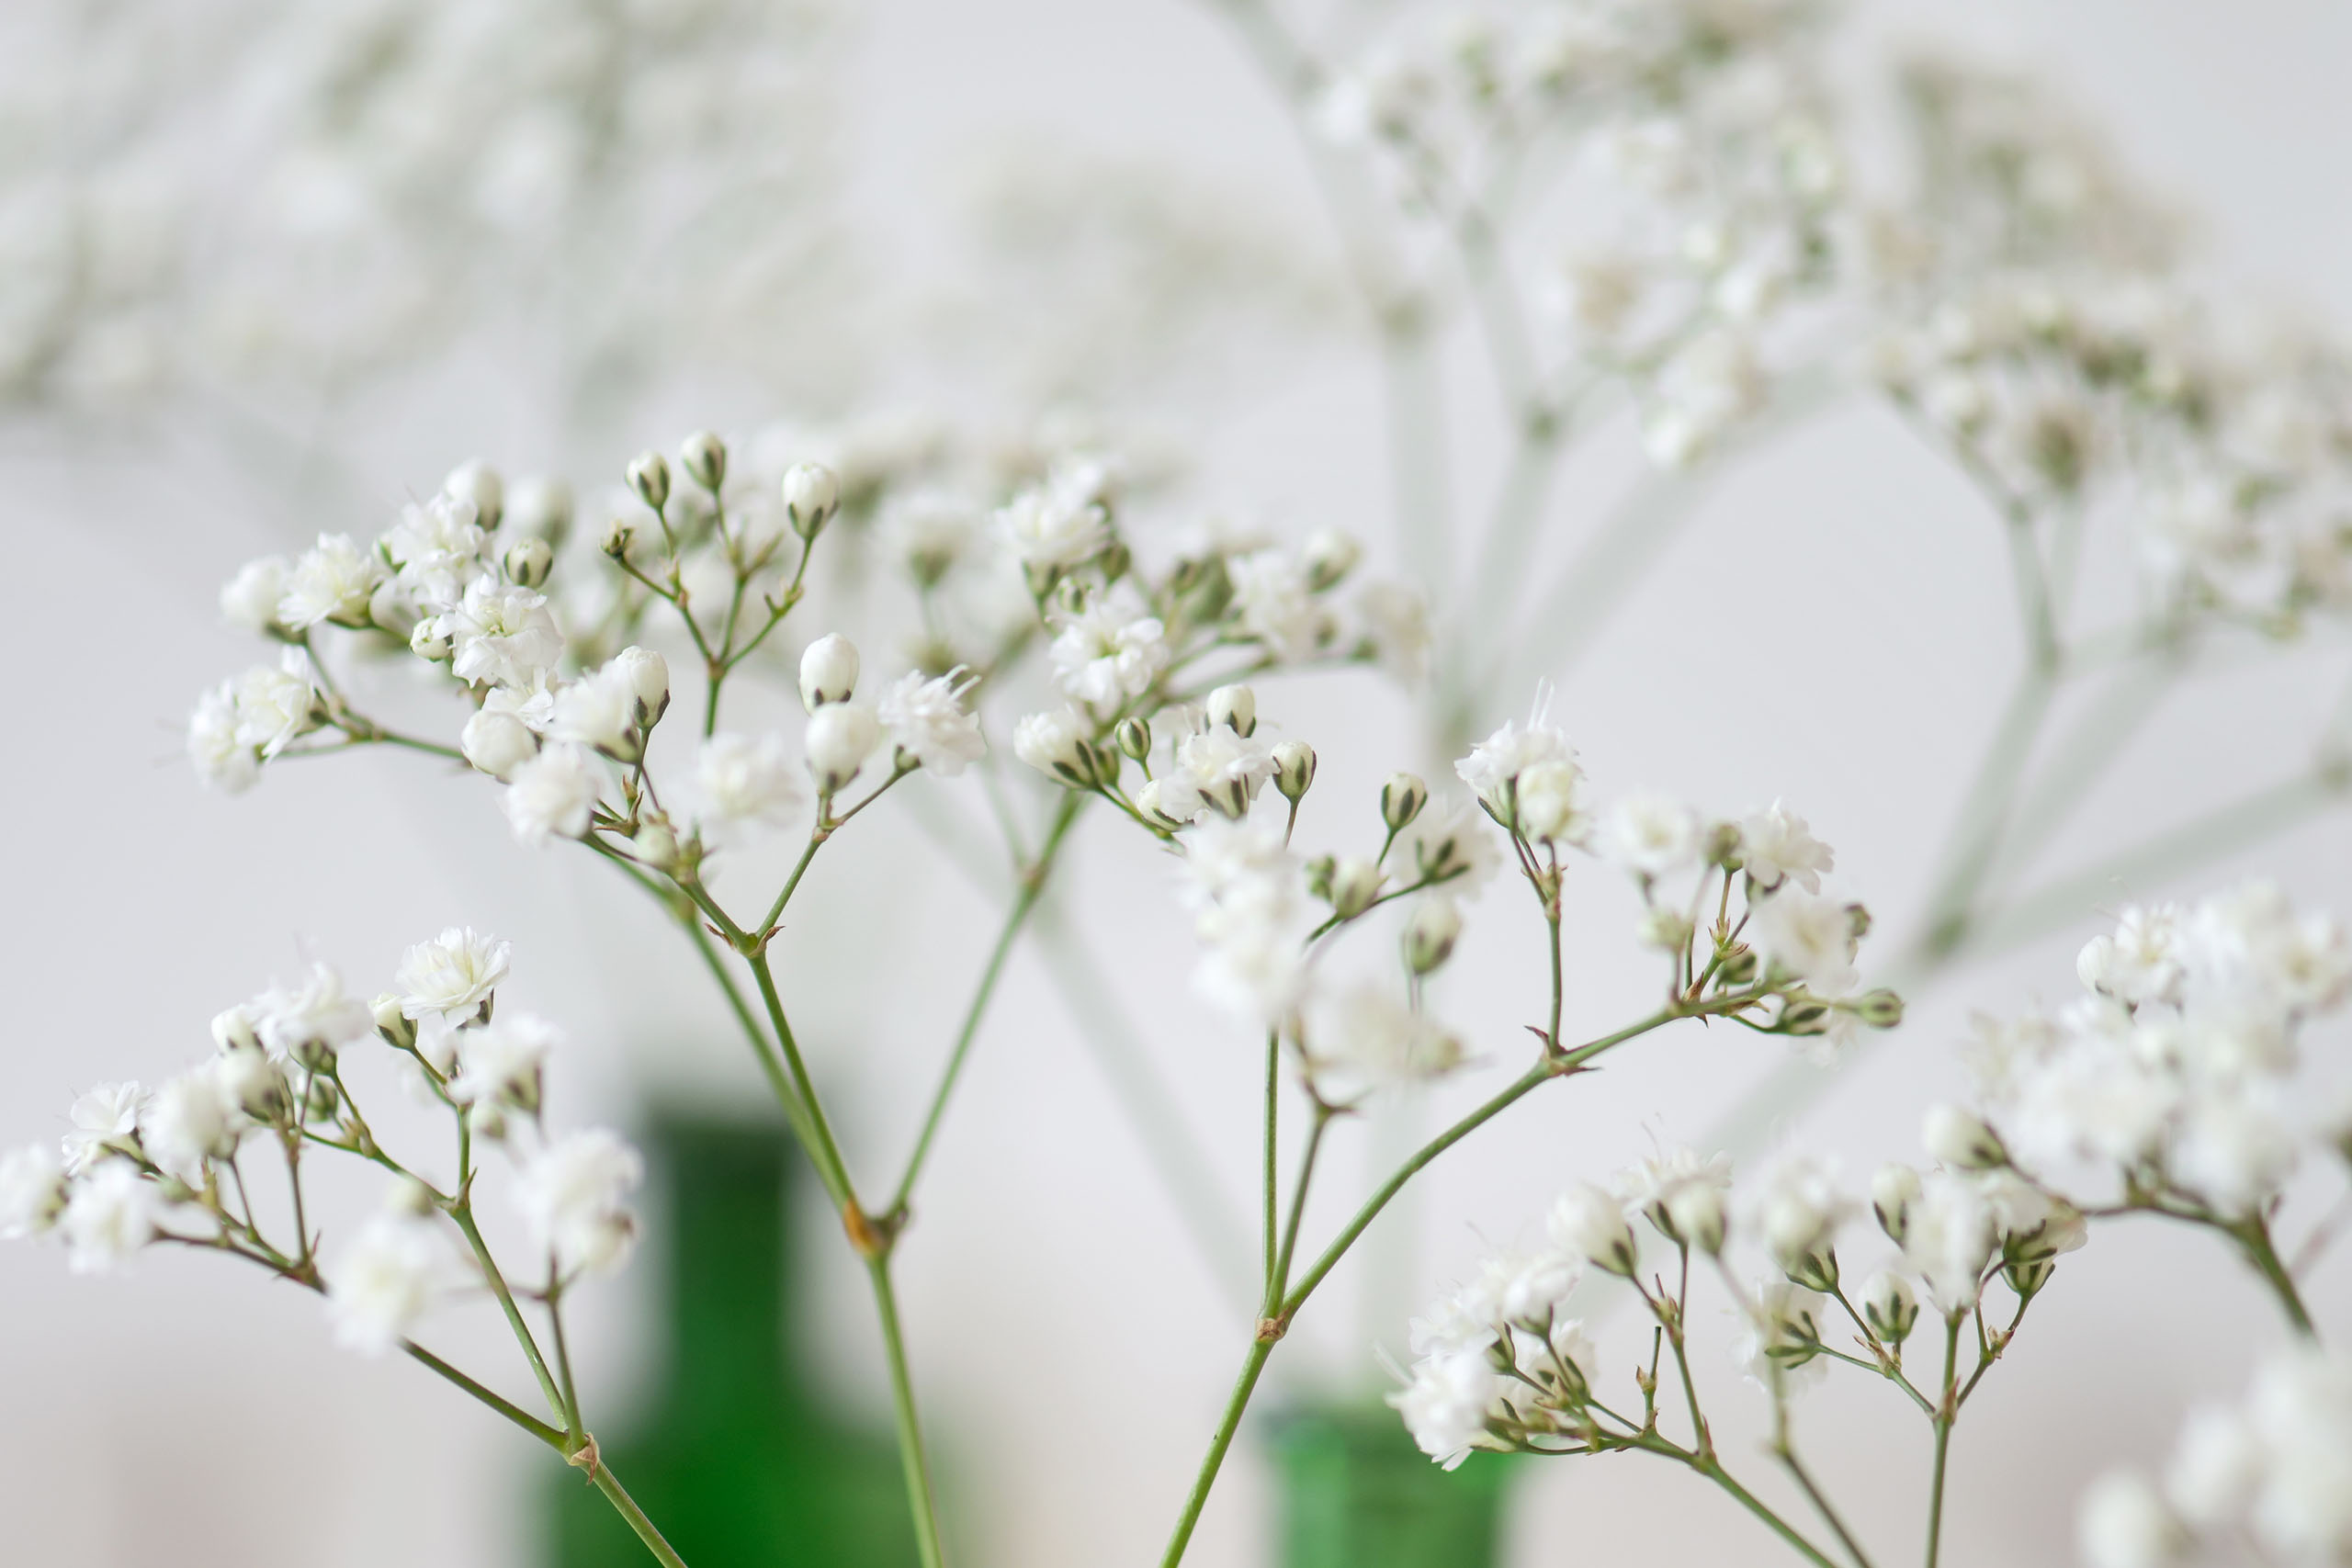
[(927, 721), (111, 1212), (1218, 768), (501, 634), (314, 1020), (32, 1190), (1494, 765), (454, 975), (497, 743), (573, 1194), (1590, 1224), (1276, 604), (384, 1280), (194, 1118), (251, 598), (104, 1120), (333, 580), (222, 759), (839, 739), (1060, 524), (1054, 742), (554, 794), (1365, 1033), (1646, 834), (502, 1062), (1809, 936), (1110, 650), (1775, 844)]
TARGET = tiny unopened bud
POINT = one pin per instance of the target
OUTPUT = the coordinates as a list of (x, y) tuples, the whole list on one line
[(1720, 847), (1881, 1008), (234, 1028), (828, 672), (429, 640), (1355, 883), (1134, 736), (1963, 1139), (409, 1196), (255, 1082), (393, 1025), (478, 482), (1547, 801), (649, 681), (655, 843), (1431, 934), (1694, 1212), (649, 476), (1858, 920), (841, 736), (1328, 557), (1889, 1307), (1401, 800), (1804, 1015), (1893, 1191), (319, 1104), (619, 538), (811, 495), (2027, 1275), (1148, 806), (1817, 1270), (704, 457), (1236, 707), (1294, 769), (1105, 761), (1739, 967), (528, 561), (1114, 562)]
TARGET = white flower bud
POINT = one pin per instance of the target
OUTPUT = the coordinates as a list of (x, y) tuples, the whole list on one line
[(1893, 1191), (429, 640), (498, 743), (1695, 1210), (251, 598), (655, 844), (1667, 930), (1889, 1307), (828, 672), (811, 495), (1329, 555), (392, 1022), (1431, 934), (1589, 1223), (619, 538), (1960, 1139), (1133, 737), (1055, 743), (2125, 1524), (648, 680), (235, 1028), (841, 737), (1401, 800), (528, 561), (1236, 707), (1355, 883), (1294, 769), (704, 457), (478, 484), (649, 476)]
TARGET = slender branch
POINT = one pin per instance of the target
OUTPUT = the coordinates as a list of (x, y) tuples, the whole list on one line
[(1947, 1411), (553, 1437), (822, 1148), (1280, 1277), (1237, 1403), (1271, 1172), (626, 1506), (462, 1212), (911, 1458)]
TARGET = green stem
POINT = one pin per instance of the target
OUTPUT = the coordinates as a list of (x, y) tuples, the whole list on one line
[(1270, 1171), (911, 1458), (1713, 1471), (551, 1436), (626, 1506), (1234, 1405), (1281, 1277), (463, 1214), (1945, 1415), (823, 1148), (1032, 884), (2254, 1234)]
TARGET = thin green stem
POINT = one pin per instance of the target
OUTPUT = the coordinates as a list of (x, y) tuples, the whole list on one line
[(553, 1437), (462, 1211), (1946, 1413), (572, 1421), (2254, 1235), (1281, 1276), (1270, 1171), (823, 1148), (911, 1458), (626, 1506), (1235, 1405), (1032, 886), (1713, 1469)]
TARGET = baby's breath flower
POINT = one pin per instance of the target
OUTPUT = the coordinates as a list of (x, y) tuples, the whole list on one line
[(1110, 650), (1776, 845), (104, 1120), (111, 1211), (554, 794), (501, 1063), (32, 1192), (333, 580), (384, 1280), (927, 721), (840, 737), (573, 1194), (745, 781), (454, 975)]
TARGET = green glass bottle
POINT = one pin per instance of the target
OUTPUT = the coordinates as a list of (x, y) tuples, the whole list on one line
[(1356, 1493), (734, 1458)]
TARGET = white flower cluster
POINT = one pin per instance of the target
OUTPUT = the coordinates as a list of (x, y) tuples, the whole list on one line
[(2274, 1470), (2172, 1083), (137, 1167), (1694, 138)]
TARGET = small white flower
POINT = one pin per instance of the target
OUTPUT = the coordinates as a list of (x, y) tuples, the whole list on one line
[(1590, 1224), (1646, 834), (251, 598), (313, 1021), (1811, 937), (223, 761), (1452, 839), (384, 1280), (437, 548), (1110, 651), (32, 1190), (498, 743), (453, 975), (1217, 768), (926, 720), (1494, 765), (1795, 1211), (1775, 844), (743, 781), (275, 704), (333, 580), (503, 1062), (2141, 961), (1277, 605), (554, 794), (503, 634), (1949, 1239), (1446, 1405), (110, 1214), (599, 711), (1060, 524), (1365, 1034), (104, 1120), (1784, 1322), (194, 1118), (828, 672), (573, 1194)]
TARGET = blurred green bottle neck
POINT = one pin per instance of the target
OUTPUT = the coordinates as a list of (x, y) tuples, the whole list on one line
[(731, 1308)]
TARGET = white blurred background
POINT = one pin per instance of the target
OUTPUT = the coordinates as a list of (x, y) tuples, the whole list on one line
[(1834, 626)]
